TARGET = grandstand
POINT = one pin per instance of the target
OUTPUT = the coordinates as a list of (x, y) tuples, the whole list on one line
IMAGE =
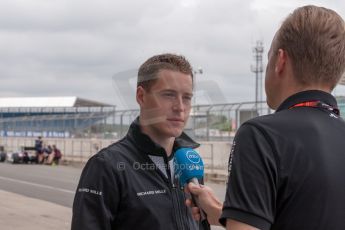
[(50, 116), (74, 117)]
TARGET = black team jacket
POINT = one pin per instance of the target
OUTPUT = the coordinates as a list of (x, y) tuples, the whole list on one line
[(130, 185)]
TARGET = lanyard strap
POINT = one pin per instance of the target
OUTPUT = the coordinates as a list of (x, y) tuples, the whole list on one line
[(317, 104)]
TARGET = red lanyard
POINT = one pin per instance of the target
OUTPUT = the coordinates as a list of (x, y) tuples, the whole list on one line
[(317, 104)]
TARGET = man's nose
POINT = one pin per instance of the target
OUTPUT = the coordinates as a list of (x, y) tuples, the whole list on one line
[(178, 104)]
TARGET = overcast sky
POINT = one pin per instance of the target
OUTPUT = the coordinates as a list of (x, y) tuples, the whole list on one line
[(92, 49)]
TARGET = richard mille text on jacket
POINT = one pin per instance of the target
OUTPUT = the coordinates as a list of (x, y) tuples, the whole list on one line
[(152, 192), (90, 191)]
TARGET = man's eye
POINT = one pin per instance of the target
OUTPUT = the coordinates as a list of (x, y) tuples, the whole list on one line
[(169, 95), (187, 98)]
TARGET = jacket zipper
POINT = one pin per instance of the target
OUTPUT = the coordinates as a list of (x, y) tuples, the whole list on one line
[(179, 214), (176, 200)]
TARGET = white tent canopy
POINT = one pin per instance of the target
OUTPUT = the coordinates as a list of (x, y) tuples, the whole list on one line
[(20, 102)]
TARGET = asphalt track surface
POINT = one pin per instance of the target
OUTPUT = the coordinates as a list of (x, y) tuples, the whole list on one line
[(56, 184), (53, 186)]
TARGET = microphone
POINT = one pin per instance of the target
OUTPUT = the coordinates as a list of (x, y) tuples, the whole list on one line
[(189, 167)]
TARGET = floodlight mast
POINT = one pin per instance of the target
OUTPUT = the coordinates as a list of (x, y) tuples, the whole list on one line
[(258, 70)]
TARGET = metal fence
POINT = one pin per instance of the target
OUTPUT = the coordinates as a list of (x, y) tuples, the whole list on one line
[(217, 122)]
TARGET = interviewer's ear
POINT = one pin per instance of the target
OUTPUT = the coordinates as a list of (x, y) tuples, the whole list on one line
[(281, 61)]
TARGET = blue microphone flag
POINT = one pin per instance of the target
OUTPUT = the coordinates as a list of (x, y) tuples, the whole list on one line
[(188, 165)]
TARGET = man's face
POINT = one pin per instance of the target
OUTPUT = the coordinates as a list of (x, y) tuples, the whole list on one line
[(165, 107)]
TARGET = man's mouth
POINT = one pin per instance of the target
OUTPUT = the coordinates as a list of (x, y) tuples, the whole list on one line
[(175, 119)]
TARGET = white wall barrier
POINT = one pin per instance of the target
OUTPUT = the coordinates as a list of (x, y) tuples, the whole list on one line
[(214, 154)]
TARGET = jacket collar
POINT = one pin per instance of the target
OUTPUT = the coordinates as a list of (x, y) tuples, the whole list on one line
[(148, 146), (310, 95)]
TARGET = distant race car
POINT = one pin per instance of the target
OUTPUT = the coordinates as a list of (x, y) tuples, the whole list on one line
[(2, 154), (24, 156)]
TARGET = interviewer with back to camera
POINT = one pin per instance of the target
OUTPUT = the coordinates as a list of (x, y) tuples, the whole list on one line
[(130, 184), (287, 169)]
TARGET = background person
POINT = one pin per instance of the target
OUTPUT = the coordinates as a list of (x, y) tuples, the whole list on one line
[(55, 156), (47, 151), (39, 149)]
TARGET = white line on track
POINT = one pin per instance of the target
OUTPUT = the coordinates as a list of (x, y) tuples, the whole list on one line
[(37, 185)]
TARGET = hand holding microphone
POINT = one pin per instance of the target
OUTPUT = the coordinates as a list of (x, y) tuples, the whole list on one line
[(189, 169)]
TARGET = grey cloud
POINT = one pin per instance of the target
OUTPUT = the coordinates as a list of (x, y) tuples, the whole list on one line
[(74, 15), (76, 47)]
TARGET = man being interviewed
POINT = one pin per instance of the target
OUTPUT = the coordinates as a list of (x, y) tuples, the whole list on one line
[(130, 184)]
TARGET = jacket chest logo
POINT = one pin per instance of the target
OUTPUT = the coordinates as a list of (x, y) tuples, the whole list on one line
[(151, 192)]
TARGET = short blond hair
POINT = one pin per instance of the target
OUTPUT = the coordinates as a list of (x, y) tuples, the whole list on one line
[(148, 71), (314, 38)]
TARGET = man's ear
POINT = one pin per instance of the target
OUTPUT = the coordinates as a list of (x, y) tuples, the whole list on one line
[(140, 95), (281, 61)]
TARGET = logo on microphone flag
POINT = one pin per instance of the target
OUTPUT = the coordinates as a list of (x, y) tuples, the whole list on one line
[(193, 157)]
